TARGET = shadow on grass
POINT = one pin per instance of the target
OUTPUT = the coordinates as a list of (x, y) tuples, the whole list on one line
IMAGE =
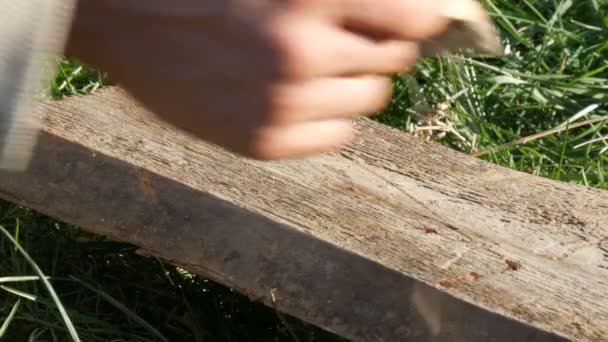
[(182, 307)]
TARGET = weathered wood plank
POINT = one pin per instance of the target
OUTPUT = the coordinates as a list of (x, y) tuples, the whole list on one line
[(389, 238)]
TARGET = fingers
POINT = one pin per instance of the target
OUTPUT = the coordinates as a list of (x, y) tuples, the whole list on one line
[(361, 56), (315, 116), (299, 139), (312, 49), (412, 20), (328, 98)]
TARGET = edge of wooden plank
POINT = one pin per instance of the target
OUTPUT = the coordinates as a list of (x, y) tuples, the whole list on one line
[(309, 279), (439, 178)]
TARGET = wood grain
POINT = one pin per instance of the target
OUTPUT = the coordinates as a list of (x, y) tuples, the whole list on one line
[(391, 239)]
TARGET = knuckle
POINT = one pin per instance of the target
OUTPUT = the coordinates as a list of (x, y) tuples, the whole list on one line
[(293, 54), (409, 56), (400, 56), (283, 105), (293, 59), (264, 146), (299, 4), (380, 93)]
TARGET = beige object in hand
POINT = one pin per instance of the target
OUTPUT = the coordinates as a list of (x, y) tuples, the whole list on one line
[(470, 28)]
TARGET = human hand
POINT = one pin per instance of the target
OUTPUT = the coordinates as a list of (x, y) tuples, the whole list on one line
[(268, 79)]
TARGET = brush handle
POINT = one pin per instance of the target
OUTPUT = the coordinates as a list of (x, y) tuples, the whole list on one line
[(32, 33)]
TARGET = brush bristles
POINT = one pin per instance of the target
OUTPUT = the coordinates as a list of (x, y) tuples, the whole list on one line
[(19, 137), (31, 33)]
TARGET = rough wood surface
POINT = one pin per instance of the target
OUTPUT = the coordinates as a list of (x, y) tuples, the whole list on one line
[(391, 239)]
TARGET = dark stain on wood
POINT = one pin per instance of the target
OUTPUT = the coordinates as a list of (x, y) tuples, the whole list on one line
[(513, 265)]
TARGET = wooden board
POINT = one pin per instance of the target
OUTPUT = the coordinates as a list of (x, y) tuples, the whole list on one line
[(391, 239)]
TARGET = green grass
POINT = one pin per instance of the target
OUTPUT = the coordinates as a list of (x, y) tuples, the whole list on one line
[(556, 76), (558, 67), (112, 294), (73, 78)]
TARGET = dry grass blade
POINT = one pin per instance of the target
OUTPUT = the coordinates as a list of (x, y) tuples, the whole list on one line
[(9, 319), (18, 293), (18, 279), (592, 141), (283, 320), (122, 308), (537, 136), (47, 284)]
